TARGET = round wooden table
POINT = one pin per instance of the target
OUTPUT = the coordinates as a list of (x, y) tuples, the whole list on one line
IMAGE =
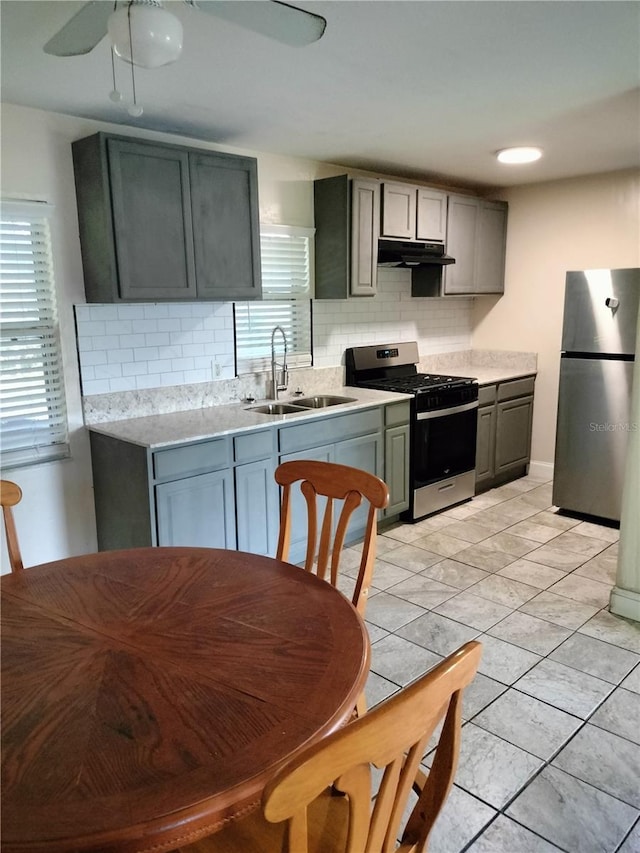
[(148, 694)]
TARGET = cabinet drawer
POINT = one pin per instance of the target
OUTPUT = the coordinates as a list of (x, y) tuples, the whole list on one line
[(254, 445), (397, 413), (486, 395), (516, 388), (329, 430), (191, 459)]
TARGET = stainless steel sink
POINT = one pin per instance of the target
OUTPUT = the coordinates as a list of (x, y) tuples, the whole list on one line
[(322, 401), (276, 409)]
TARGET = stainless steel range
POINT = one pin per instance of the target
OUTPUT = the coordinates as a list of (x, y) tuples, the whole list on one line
[(443, 422)]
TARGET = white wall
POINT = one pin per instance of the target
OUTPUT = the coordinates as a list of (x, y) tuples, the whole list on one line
[(583, 223)]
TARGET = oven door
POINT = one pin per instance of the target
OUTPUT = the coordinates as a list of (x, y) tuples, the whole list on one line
[(444, 444)]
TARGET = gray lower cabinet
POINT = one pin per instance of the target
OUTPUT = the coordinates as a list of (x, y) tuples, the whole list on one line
[(221, 493), (505, 419), (397, 438), (257, 507), (216, 494), (197, 511), (486, 442), (165, 222)]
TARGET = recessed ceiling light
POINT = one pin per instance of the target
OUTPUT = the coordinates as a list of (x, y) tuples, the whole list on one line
[(519, 155)]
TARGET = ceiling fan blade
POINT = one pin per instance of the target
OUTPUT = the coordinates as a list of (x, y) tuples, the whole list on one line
[(82, 32), (279, 21)]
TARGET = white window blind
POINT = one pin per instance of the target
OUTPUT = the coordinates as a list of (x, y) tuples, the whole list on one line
[(287, 287), (33, 418)]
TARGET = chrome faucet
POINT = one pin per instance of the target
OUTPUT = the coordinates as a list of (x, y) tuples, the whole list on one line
[(279, 373)]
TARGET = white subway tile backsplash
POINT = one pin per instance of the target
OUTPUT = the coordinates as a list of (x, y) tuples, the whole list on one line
[(169, 324), (128, 312), (119, 327), (90, 329), (157, 310), (157, 345), (133, 341), (135, 368), (96, 386), (89, 357), (119, 355), (178, 364), (122, 383), (107, 371), (157, 339), (197, 376), (146, 354)]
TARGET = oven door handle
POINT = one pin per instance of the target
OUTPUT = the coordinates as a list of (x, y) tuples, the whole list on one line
[(440, 413)]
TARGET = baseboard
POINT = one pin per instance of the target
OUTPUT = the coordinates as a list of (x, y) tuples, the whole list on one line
[(541, 470)]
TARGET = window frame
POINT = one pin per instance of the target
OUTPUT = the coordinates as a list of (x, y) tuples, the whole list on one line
[(33, 336)]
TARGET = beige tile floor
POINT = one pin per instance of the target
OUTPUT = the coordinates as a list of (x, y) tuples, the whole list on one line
[(550, 756)]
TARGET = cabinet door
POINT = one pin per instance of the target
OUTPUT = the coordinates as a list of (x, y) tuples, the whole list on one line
[(513, 433), (399, 211), (226, 235), (431, 215), (257, 507), (197, 511), (492, 241), (462, 231), (485, 443), (365, 214), (396, 468), (365, 453), (151, 204)]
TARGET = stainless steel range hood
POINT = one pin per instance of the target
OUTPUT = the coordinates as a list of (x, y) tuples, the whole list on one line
[(396, 253)]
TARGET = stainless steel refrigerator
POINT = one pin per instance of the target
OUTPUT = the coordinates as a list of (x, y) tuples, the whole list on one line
[(596, 372)]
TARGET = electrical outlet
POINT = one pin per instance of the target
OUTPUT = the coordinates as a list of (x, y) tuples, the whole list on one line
[(217, 369)]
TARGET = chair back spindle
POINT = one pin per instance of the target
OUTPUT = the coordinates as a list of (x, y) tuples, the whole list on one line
[(334, 483), (10, 495)]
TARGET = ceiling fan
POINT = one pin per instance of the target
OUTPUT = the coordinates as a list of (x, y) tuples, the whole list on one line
[(144, 33)]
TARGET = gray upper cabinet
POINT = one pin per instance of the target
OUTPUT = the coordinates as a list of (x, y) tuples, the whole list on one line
[(491, 249), (413, 213), (151, 205), (476, 238), (347, 217), (398, 211), (431, 215), (164, 222), (226, 232)]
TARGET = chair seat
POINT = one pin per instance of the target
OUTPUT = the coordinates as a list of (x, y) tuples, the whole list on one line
[(328, 820)]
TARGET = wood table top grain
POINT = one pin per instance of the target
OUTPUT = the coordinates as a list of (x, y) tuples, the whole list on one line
[(149, 694)]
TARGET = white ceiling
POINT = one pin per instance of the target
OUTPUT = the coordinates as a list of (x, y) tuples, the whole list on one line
[(424, 90)]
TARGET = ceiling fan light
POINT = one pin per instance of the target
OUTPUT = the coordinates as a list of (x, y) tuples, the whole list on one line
[(519, 155), (145, 34)]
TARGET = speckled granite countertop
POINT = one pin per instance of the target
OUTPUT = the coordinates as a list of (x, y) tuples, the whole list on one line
[(491, 375), (164, 430), (487, 366)]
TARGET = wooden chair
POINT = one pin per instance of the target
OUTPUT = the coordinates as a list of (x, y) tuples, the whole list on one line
[(335, 482), (10, 495), (299, 813)]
